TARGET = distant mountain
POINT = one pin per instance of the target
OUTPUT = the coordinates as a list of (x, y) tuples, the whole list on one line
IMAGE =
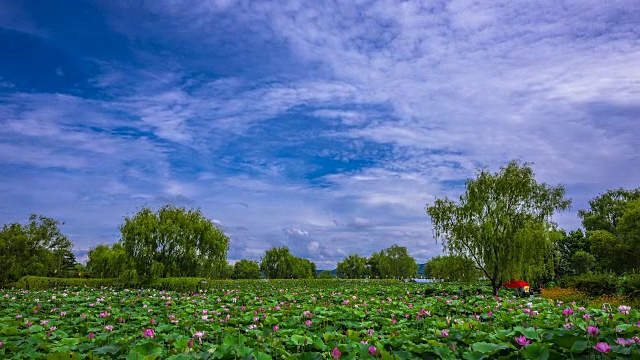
[(420, 271)]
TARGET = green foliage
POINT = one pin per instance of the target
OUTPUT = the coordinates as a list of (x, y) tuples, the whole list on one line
[(582, 262), (396, 263), (301, 319), (631, 285), (592, 283), (502, 222), (41, 282), (181, 284), (279, 263), (246, 269), (35, 248), (325, 274), (606, 210), (610, 252), (108, 261), (566, 246), (353, 266), (452, 268), (617, 250), (174, 241)]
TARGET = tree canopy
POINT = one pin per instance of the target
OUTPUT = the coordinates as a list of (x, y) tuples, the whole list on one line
[(279, 263), (606, 209), (246, 269), (35, 248), (452, 268), (391, 263), (173, 241), (353, 266), (502, 221)]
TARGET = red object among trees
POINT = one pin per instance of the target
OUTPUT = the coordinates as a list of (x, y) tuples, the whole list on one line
[(515, 283)]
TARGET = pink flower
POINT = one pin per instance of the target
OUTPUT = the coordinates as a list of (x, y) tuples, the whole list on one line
[(592, 330), (108, 327), (370, 332), (490, 314), (307, 322), (567, 312), (602, 347), (624, 309), (623, 342), (372, 350), (91, 336), (586, 317), (149, 333), (199, 335), (444, 332), (1, 343), (335, 353), (522, 340), (275, 328)]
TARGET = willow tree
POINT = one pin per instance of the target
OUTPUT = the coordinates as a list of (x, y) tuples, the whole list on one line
[(502, 222), (173, 241)]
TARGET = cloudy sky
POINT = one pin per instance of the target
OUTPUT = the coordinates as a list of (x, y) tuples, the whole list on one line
[(324, 126)]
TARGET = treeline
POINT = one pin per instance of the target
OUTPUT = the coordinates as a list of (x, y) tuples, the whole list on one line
[(499, 229), (392, 263)]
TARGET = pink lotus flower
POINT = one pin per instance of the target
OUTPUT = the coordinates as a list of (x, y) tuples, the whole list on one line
[(149, 333), (623, 342), (308, 322), (522, 340), (586, 317), (91, 336), (444, 332), (108, 327), (335, 353), (592, 330), (602, 347), (624, 309), (567, 312), (275, 328), (1, 343), (372, 350), (199, 335)]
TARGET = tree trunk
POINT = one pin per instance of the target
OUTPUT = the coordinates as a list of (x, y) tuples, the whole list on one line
[(495, 286)]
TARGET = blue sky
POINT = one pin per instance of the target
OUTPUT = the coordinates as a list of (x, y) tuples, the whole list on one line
[(324, 126)]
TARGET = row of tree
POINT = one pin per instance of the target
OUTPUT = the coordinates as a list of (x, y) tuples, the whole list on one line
[(392, 263), (500, 228)]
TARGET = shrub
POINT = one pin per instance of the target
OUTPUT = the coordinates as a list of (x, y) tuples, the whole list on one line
[(592, 284)]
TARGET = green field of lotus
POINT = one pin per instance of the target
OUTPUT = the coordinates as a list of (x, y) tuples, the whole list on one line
[(307, 320)]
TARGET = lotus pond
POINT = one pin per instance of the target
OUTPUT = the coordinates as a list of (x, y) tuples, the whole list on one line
[(313, 320)]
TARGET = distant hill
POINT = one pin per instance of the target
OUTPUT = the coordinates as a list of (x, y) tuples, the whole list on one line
[(420, 271)]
